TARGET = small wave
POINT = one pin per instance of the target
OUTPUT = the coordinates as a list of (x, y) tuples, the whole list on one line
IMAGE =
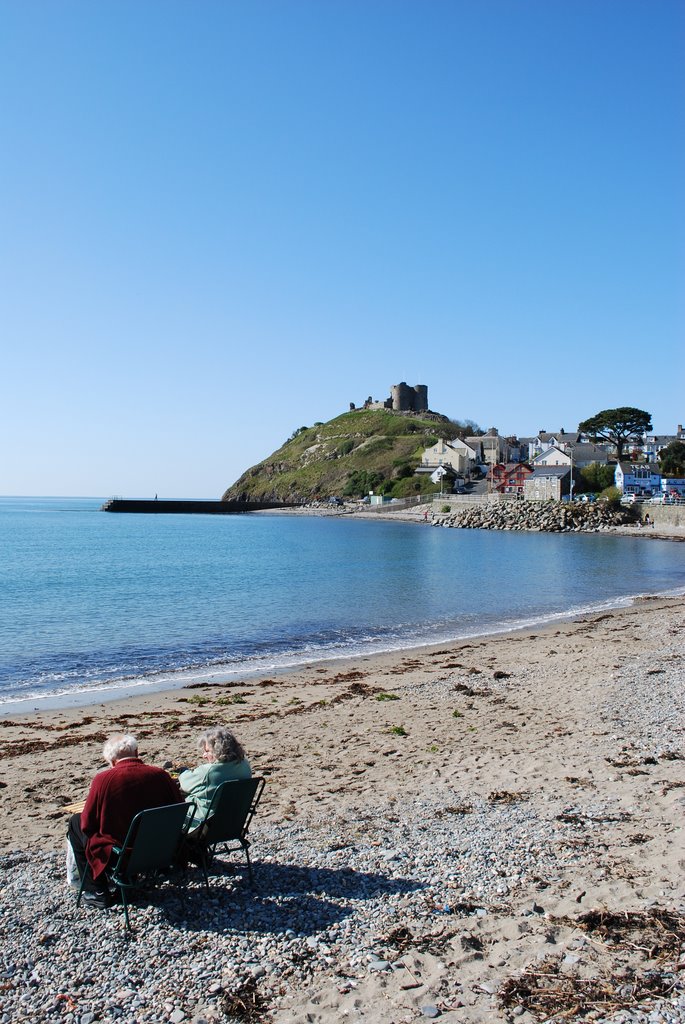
[(249, 665)]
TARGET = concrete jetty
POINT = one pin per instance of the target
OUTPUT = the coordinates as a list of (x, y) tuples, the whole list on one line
[(152, 506)]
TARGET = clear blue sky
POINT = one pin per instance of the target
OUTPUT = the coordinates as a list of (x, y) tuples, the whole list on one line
[(220, 221)]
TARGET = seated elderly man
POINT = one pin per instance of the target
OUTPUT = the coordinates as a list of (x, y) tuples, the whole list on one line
[(115, 797)]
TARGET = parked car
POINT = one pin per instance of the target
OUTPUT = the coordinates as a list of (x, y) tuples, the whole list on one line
[(629, 499)]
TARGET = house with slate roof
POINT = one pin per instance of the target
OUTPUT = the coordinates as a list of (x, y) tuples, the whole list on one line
[(551, 456), (585, 453), (549, 483), (653, 444), (637, 478), (544, 439), (457, 455), (494, 448), (509, 478)]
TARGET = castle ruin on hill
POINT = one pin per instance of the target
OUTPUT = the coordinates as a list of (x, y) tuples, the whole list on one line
[(403, 398)]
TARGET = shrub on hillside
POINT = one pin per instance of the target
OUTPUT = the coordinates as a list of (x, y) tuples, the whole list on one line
[(595, 477), (360, 482), (611, 495)]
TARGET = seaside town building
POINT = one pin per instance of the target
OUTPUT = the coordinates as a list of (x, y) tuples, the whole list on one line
[(637, 478), (549, 483), (457, 455), (653, 444), (551, 456), (509, 478), (544, 440), (494, 448)]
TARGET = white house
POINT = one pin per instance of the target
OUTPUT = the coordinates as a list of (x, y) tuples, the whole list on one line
[(457, 454), (552, 456), (673, 484), (637, 478), (544, 439), (653, 444)]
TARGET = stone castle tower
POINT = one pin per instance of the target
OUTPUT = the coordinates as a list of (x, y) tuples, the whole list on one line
[(407, 399), (403, 398)]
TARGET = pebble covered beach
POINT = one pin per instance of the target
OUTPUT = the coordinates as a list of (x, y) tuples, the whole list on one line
[(485, 831)]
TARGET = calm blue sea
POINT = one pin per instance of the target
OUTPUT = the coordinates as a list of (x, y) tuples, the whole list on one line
[(92, 603)]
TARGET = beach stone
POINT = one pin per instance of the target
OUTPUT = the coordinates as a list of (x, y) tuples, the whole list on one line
[(177, 1017), (430, 1010), (325, 912)]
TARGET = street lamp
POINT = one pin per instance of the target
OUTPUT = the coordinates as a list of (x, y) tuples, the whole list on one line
[(570, 492)]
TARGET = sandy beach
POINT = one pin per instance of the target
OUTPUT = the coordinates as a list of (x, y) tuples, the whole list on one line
[(446, 820)]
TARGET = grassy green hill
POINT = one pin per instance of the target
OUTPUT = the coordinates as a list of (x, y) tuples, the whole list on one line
[(350, 455)]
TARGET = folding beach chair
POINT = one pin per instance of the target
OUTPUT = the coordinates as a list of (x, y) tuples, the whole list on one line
[(227, 822), (151, 846)]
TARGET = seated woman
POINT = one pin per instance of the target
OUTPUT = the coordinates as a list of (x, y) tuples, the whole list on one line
[(224, 761)]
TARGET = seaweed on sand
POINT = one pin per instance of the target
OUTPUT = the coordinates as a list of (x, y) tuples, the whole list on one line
[(546, 992), (633, 961), (246, 1004), (657, 932)]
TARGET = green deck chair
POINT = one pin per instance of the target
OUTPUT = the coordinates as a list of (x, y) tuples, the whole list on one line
[(151, 845), (227, 822)]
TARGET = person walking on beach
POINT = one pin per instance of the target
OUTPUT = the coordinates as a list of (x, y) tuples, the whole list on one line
[(115, 797)]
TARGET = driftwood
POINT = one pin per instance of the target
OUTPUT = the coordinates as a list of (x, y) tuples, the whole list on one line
[(246, 1004)]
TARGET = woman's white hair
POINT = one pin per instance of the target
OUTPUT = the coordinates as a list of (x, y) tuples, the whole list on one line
[(222, 743), (120, 746)]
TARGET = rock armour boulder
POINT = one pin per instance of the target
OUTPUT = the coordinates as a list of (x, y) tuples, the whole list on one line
[(547, 517)]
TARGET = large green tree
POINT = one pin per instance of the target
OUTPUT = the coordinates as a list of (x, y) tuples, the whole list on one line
[(618, 426), (672, 459), (596, 477)]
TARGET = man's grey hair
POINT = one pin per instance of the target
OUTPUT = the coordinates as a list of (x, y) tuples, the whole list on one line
[(120, 746), (222, 743)]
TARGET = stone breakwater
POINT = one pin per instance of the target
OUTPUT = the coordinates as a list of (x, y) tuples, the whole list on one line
[(547, 517)]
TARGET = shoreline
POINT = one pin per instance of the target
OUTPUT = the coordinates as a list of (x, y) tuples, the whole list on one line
[(228, 676), (415, 514), (435, 824)]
